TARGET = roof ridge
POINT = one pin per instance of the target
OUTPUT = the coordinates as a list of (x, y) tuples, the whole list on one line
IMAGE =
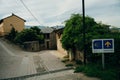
[(13, 15)]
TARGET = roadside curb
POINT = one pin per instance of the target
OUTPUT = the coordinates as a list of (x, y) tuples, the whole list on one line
[(38, 74)]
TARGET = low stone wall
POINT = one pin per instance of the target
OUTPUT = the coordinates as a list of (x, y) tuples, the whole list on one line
[(32, 46), (78, 56)]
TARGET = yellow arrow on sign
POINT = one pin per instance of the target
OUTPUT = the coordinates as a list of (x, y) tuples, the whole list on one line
[(107, 44)]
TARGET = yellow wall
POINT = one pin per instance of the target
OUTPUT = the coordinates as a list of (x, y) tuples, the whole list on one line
[(1, 29), (59, 45), (13, 21)]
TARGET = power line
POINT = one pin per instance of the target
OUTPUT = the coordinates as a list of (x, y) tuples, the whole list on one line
[(29, 11)]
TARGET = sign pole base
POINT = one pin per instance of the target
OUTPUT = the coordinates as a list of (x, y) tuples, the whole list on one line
[(103, 61)]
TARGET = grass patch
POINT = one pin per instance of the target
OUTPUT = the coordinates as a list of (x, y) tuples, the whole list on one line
[(79, 62), (69, 65), (96, 71), (64, 60)]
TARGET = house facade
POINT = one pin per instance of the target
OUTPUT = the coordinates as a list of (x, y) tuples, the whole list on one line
[(50, 39), (10, 22)]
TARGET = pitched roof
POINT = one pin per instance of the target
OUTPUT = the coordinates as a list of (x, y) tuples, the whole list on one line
[(11, 16), (47, 30), (58, 27), (60, 30)]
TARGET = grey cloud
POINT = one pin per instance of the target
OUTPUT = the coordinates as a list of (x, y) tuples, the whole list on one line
[(53, 12)]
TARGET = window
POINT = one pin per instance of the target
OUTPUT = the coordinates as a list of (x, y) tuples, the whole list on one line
[(47, 36)]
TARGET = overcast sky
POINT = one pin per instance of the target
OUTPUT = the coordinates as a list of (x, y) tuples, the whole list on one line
[(55, 12)]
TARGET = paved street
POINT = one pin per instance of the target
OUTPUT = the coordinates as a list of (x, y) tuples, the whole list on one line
[(16, 64), (12, 64)]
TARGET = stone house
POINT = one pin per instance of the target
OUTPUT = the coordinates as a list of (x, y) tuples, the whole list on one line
[(13, 21), (50, 39)]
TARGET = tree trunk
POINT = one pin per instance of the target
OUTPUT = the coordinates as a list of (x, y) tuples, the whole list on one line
[(74, 53)]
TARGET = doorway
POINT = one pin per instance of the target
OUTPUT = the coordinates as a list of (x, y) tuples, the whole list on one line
[(47, 44)]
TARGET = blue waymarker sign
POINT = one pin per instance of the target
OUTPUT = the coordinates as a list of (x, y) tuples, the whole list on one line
[(97, 44), (108, 44), (103, 45)]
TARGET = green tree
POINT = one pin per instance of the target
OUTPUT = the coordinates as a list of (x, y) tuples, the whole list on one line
[(40, 36), (72, 37), (26, 35), (32, 34), (12, 34), (36, 29)]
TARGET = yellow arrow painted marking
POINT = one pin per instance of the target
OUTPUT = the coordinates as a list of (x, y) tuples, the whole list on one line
[(107, 44)]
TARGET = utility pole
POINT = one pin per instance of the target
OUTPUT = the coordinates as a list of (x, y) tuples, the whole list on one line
[(84, 36)]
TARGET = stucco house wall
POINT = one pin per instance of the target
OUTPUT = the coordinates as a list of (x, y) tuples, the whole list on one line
[(59, 44), (78, 56), (9, 22), (58, 41), (1, 29)]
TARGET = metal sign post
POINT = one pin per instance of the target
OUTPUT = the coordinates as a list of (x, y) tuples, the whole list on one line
[(103, 46), (103, 61)]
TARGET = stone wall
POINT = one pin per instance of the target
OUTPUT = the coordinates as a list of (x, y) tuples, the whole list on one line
[(31, 46), (53, 43)]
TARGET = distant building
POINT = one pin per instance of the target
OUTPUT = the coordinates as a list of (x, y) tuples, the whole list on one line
[(115, 29), (10, 22), (50, 38)]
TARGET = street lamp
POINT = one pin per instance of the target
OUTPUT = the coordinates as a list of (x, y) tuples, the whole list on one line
[(84, 36)]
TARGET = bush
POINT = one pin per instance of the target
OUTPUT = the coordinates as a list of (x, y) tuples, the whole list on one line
[(108, 75), (79, 62), (28, 35), (93, 70), (79, 68), (69, 65), (11, 36)]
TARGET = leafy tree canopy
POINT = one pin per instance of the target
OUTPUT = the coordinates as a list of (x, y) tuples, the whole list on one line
[(12, 34), (73, 36), (26, 35), (73, 32), (32, 34), (36, 29)]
